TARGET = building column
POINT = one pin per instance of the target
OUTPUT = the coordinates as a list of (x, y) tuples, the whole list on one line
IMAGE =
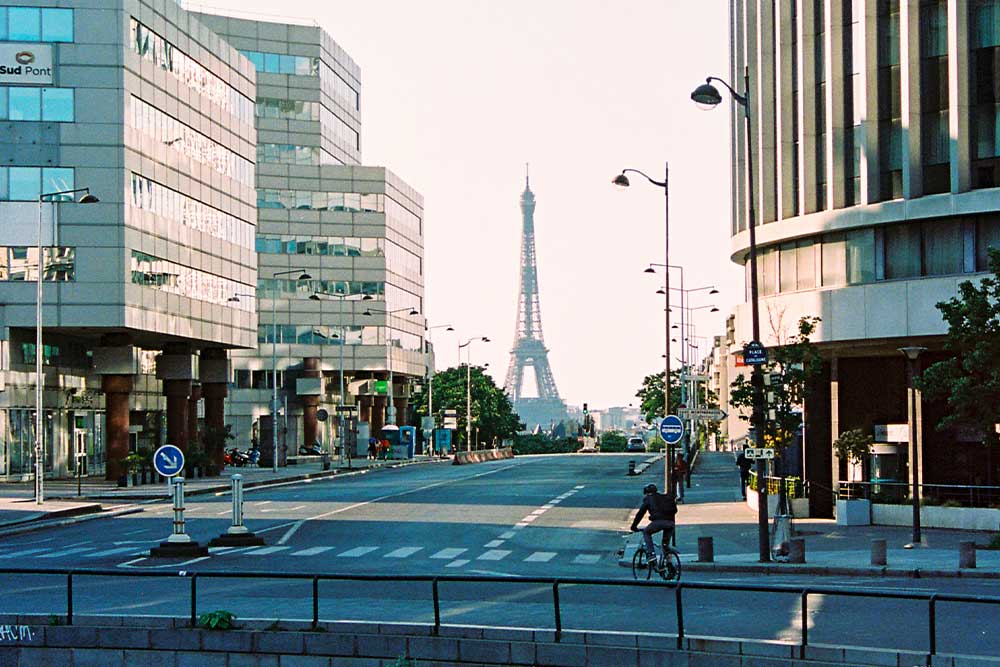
[(834, 423), (808, 150), (837, 125), (909, 98), (192, 414), (214, 373), (176, 369), (958, 95), (310, 402), (117, 389)]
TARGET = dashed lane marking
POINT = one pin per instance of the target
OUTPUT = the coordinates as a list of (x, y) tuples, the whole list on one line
[(494, 554), (493, 544), (312, 551), (356, 552), (587, 559), (457, 563), (449, 553), (540, 557), (264, 551), (402, 552)]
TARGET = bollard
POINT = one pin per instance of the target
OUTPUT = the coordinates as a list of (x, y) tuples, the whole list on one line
[(706, 550), (797, 551), (631, 467), (179, 544), (237, 535), (966, 555), (878, 552)]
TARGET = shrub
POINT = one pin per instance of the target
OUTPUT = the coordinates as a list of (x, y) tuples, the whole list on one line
[(217, 620), (613, 442)]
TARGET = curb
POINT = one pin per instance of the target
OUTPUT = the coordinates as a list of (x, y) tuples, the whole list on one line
[(30, 526)]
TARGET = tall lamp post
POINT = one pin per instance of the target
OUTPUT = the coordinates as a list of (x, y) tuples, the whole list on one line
[(621, 180), (706, 94), (912, 353), (468, 386), (274, 365), (87, 198), (342, 334), (390, 412), (430, 380)]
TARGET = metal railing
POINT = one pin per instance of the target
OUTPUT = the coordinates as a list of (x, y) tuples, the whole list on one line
[(898, 493), (677, 588)]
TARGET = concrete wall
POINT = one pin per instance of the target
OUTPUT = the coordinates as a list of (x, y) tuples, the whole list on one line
[(29, 641), (966, 518)]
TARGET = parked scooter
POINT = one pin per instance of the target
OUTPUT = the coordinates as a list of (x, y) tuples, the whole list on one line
[(235, 457), (310, 450), (253, 457)]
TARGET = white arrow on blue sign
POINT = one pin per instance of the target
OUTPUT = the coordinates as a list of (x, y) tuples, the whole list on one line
[(168, 460), (672, 429)]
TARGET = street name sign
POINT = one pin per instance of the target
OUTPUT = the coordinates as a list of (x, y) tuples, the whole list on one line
[(759, 452), (168, 460), (693, 378), (672, 429), (707, 414), (754, 354)]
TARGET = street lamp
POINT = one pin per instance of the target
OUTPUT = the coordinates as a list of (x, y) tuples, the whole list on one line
[(707, 95), (912, 353), (468, 386), (319, 296), (430, 379), (274, 364), (87, 198), (390, 411), (621, 180)]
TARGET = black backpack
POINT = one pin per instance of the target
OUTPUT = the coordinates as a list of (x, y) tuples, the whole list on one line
[(664, 506)]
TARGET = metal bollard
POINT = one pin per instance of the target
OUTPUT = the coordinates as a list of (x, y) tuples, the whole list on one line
[(797, 551), (878, 552), (631, 468), (966, 555), (237, 528), (706, 550), (179, 535)]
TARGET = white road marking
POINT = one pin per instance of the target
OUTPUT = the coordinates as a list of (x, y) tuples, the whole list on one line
[(457, 563), (291, 531), (219, 550), (540, 511), (111, 552), (547, 506), (264, 551), (66, 552), (519, 526), (540, 557), (449, 553), (493, 544), (223, 512), (555, 501), (403, 552), (494, 554), (297, 507), (587, 559), (24, 552), (529, 518), (578, 487), (312, 551), (131, 563), (506, 536), (263, 502), (356, 552)]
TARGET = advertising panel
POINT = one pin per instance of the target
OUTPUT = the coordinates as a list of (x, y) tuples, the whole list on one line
[(26, 64)]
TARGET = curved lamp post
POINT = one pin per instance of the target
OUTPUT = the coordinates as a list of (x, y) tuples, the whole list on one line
[(87, 198), (707, 95), (621, 180), (390, 411), (468, 386)]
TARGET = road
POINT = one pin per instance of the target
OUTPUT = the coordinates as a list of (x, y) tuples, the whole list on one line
[(527, 517)]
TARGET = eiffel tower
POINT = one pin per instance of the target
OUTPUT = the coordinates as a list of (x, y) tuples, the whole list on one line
[(545, 407)]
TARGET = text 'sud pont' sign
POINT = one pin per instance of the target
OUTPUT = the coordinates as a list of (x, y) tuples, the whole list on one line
[(26, 63)]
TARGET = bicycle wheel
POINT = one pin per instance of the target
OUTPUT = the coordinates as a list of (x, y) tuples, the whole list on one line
[(640, 566), (672, 568)]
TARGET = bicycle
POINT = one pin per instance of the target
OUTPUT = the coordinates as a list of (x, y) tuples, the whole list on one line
[(669, 567)]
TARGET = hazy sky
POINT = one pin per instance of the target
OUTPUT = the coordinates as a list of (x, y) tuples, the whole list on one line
[(458, 94)]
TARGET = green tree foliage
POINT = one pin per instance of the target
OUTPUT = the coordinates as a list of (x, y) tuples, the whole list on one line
[(543, 444), (650, 394), (969, 381), (854, 445), (789, 367), (612, 441), (492, 411)]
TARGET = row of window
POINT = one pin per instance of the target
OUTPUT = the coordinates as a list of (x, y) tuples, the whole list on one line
[(403, 219), (343, 135), (28, 183), (317, 334), (186, 140), (292, 154), (20, 264), (36, 24), (30, 103), (321, 201), (334, 246), (283, 288), (889, 252), (151, 196), (150, 46), (280, 63), (167, 276)]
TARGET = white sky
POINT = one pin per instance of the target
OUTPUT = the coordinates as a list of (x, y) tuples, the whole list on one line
[(458, 94)]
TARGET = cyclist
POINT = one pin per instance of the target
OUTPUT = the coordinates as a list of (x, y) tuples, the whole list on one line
[(662, 509)]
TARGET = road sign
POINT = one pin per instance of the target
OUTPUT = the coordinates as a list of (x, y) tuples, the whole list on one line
[(168, 460), (451, 422), (322, 415), (706, 414), (672, 429), (427, 423), (759, 452), (754, 354), (693, 378)]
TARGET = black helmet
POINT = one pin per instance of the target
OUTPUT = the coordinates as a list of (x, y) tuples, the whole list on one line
[(649, 488)]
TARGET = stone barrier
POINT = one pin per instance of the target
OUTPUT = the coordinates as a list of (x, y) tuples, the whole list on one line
[(706, 550), (878, 552), (966, 555), (481, 455)]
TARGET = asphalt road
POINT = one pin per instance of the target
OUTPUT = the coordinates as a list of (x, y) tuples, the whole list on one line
[(527, 517)]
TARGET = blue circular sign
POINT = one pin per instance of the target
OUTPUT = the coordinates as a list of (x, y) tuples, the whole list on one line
[(168, 460), (672, 429)]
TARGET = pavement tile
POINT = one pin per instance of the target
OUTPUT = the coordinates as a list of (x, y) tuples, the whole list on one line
[(381, 646), (123, 638), (229, 641), (662, 659), (714, 660), (769, 649), (522, 653), (73, 637), (31, 656), (244, 660)]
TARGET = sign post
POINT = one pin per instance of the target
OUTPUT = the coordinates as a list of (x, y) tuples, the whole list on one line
[(168, 460), (672, 432)]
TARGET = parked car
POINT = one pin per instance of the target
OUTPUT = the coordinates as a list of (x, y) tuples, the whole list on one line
[(635, 444)]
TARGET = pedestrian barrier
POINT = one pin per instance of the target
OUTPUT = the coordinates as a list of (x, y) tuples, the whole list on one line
[(675, 589), (481, 455)]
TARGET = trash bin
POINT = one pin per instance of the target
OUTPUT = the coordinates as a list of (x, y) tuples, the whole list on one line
[(325, 458), (782, 537)]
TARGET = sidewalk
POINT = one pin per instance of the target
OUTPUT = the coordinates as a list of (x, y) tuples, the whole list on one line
[(99, 497), (713, 508)]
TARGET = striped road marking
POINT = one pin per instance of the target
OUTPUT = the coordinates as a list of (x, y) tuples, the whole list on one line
[(356, 552), (312, 551), (403, 552), (587, 559), (66, 552), (111, 552), (457, 563), (449, 553), (540, 557), (494, 554), (263, 551), (494, 544)]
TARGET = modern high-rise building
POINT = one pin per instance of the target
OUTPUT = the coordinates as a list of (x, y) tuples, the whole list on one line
[(876, 154), (142, 104), (340, 250)]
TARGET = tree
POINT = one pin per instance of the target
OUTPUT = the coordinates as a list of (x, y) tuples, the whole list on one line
[(789, 367), (492, 411), (651, 394), (969, 380), (854, 446)]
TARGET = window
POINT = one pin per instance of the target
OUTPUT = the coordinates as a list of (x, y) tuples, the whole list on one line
[(36, 24), (934, 131), (787, 268), (984, 92), (860, 251), (27, 183), (834, 260), (987, 236), (57, 104), (944, 244), (902, 251), (805, 265), (24, 104), (19, 263), (48, 104)]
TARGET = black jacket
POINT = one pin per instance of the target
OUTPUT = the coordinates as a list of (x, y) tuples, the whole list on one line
[(660, 506)]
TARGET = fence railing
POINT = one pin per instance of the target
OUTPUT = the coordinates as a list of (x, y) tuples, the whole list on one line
[(678, 589), (898, 493), (795, 487)]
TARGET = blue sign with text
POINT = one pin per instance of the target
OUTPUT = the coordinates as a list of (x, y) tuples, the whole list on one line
[(672, 429), (168, 460)]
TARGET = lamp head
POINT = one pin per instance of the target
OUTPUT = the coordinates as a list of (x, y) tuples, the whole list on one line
[(706, 96), (913, 351), (485, 339), (649, 269), (233, 299), (413, 311), (714, 310), (367, 297), (314, 297), (305, 276), (367, 313), (88, 198), (714, 291), (450, 329), (661, 291), (620, 180)]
